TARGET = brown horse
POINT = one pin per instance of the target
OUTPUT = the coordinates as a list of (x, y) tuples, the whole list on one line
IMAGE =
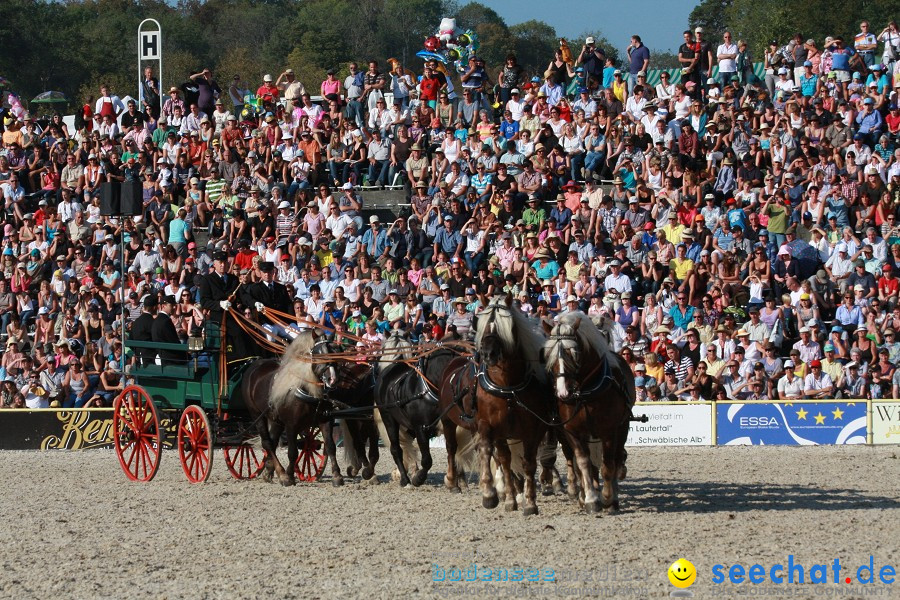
[(283, 397), (500, 395), (595, 392), (352, 393)]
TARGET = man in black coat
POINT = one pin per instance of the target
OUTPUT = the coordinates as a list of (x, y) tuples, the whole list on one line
[(141, 331), (164, 331), (216, 291), (268, 293)]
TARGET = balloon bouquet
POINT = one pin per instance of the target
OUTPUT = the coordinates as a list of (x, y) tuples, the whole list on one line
[(451, 45)]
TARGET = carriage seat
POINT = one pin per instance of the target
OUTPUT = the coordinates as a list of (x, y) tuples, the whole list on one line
[(185, 371)]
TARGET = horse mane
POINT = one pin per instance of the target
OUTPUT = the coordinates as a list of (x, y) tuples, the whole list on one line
[(589, 332), (295, 369), (516, 332), (395, 342)]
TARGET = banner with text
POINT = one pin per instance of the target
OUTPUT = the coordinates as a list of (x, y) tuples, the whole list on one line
[(672, 425), (791, 423), (885, 422), (73, 429)]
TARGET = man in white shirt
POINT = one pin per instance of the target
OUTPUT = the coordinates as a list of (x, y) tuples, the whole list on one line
[(515, 105), (727, 55), (817, 384), (616, 280), (585, 103), (634, 106)]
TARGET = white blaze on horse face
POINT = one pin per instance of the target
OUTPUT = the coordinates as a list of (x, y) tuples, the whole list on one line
[(561, 391)]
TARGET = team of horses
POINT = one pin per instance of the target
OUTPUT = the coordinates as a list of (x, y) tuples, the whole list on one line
[(522, 389)]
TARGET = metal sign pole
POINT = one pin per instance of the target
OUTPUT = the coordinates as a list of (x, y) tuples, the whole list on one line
[(150, 49)]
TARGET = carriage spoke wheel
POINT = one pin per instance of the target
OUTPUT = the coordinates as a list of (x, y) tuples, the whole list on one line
[(244, 462), (311, 459), (136, 434), (195, 444)]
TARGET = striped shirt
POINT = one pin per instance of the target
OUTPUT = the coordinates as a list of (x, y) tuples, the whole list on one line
[(214, 189)]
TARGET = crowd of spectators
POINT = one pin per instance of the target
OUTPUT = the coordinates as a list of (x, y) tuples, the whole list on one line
[(739, 233)]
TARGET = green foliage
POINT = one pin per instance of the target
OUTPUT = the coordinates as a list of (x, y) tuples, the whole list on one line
[(74, 45), (660, 59), (711, 16), (535, 42)]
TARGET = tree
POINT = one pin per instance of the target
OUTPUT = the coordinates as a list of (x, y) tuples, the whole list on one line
[(711, 16), (663, 59), (535, 42)]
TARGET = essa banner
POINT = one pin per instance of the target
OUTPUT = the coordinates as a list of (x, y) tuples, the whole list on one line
[(790, 423), (72, 429), (885, 422), (683, 424)]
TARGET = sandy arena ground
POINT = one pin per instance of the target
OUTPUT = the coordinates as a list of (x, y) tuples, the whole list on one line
[(74, 527)]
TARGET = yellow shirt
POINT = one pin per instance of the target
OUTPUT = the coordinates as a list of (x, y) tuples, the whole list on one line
[(619, 90), (681, 267), (714, 367), (673, 232)]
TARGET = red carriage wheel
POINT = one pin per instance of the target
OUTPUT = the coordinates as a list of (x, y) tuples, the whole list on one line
[(244, 462), (311, 459), (195, 446), (136, 434)]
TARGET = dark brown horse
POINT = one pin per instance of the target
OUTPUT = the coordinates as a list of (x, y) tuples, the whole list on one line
[(350, 395), (595, 392), (283, 397), (500, 395)]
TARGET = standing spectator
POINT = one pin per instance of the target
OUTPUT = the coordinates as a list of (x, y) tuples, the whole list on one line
[(638, 60)]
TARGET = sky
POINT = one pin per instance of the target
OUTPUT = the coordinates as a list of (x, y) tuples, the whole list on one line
[(618, 21)]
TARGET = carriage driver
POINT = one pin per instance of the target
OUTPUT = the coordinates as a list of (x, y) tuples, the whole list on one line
[(216, 292), (268, 293)]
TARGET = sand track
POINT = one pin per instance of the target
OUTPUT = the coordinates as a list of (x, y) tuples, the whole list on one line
[(74, 527)]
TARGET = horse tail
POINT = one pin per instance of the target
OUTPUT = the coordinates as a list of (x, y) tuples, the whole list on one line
[(351, 457), (466, 450)]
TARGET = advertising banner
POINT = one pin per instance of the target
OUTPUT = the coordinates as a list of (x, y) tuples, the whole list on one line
[(791, 423), (885, 422), (683, 424), (67, 429)]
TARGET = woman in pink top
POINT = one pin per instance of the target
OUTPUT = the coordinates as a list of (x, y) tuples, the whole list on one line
[(331, 85), (313, 221)]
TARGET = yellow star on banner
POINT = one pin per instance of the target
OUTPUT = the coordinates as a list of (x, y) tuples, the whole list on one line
[(820, 418), (838, 413), (801, 414)]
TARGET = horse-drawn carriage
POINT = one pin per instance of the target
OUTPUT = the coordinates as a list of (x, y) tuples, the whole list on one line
[(507, 391), (203, 394)]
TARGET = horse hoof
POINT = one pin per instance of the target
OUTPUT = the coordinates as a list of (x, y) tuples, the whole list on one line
[(591, 507), (351, 472), (557, 487), (404, 482), (510, 507), (337, 482), (367, 473), (419, 478), (546, 490), (614, 508), (623, 472), (490, 501), (288, 482), (530, 510)]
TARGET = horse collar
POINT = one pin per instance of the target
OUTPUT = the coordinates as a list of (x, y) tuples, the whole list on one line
[(489, 386)]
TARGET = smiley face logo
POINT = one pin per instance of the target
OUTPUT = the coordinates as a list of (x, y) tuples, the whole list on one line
[(682, 573)]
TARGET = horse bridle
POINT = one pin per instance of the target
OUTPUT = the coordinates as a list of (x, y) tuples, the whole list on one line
[(602, 368)]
